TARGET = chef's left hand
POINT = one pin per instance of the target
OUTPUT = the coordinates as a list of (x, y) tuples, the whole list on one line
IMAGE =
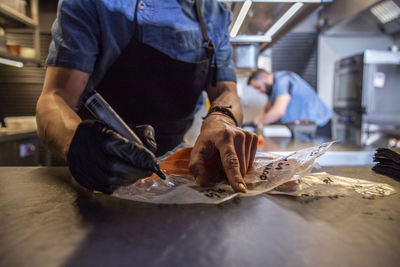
[(235, 146)]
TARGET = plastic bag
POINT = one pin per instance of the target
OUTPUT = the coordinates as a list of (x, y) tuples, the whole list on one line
[(268, 172), (327, 185)]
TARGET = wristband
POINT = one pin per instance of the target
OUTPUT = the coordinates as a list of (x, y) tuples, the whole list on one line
[(224, 110)]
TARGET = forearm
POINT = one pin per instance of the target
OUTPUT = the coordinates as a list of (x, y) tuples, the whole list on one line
[(55, 115), (225, 94), (277, 110), (220, 136), (57, 123)]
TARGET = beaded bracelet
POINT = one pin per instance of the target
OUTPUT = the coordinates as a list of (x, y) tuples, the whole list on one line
[(224, 110)]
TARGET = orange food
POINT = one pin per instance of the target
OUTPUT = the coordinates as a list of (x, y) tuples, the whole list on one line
[(177, 163), (261, 141)]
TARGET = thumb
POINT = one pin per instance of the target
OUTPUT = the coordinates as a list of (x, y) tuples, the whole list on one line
[(146, 134)]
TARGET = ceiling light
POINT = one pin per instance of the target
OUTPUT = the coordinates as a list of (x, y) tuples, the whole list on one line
[(250, 39), (282, 20), (240, 18), (386, 11), (10, 62)]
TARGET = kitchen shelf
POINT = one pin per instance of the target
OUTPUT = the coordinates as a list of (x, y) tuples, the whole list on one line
[(26, 61), (13, 17)]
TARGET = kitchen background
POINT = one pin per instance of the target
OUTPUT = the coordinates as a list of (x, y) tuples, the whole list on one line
[(312, 42)]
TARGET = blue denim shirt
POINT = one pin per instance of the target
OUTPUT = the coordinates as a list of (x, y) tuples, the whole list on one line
[(89, 35), (304, 102)]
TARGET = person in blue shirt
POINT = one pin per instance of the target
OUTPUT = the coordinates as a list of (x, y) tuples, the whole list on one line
[(290, 99), (150, 59)]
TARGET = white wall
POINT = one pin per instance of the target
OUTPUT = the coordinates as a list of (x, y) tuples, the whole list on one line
[(335, 47), (252, 101)]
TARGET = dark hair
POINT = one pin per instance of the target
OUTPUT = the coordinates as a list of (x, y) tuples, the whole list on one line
[(256, 75)]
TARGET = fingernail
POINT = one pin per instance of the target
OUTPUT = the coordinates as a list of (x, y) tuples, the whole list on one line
[(242, 188)]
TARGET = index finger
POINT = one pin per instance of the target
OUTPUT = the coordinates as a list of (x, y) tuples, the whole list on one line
[(231, 164)]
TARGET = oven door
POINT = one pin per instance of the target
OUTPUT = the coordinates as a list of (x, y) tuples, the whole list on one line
[(382, 94), (348, 80)]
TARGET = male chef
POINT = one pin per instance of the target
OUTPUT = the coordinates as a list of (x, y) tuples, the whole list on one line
[(290, 99), (150, 60)]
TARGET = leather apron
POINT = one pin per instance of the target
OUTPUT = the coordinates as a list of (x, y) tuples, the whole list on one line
[(146, 86)]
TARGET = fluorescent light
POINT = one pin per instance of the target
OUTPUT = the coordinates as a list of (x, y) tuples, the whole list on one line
[(282, 20), (10, 62), (386, 11), (250, 39), (240, 18)]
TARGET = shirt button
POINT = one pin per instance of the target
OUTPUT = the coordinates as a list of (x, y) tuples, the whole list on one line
[(142, 5)]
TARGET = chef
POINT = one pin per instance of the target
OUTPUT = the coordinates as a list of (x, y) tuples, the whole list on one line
[(150, 60), (290, 99)]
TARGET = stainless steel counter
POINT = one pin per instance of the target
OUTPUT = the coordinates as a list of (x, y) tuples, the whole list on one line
[(45, 221), (6, 136), (340, 154), (278, 144)]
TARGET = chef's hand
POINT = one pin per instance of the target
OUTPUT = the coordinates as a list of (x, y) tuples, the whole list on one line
[(100, 159), (146, 134), (236, 149)]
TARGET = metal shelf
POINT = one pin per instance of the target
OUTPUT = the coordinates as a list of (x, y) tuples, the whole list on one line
[(12, 16), (25, 61)]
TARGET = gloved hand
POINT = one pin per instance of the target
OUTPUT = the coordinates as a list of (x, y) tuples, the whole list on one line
[(147, 136), (101, 159)]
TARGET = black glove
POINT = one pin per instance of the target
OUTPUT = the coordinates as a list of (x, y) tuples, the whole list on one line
[(101, 159), (146, 134)]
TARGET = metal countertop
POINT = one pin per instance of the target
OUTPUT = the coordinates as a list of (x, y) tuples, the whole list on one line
[(278, 144), (6, 135), (45, 221)]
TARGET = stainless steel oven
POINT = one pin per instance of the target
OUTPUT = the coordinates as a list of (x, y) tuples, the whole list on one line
[(366, 97), (348, 83), (19, 148)]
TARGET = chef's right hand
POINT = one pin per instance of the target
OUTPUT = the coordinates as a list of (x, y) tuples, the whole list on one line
[(101, 159)]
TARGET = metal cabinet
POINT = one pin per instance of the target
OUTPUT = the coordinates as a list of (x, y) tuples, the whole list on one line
[(366, 98), (19, 149)]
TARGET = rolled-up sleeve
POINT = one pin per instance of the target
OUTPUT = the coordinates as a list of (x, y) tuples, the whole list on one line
[(75, 36), (224, 51), (282, 86)]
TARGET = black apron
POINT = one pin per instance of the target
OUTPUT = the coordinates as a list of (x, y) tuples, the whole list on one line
[(146, 86)]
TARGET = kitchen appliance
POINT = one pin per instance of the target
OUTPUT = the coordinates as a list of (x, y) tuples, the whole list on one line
[(366, 98), (19, 148)]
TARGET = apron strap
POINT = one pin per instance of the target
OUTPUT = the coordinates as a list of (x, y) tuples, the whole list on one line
[(209, 45), (136, 33)]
